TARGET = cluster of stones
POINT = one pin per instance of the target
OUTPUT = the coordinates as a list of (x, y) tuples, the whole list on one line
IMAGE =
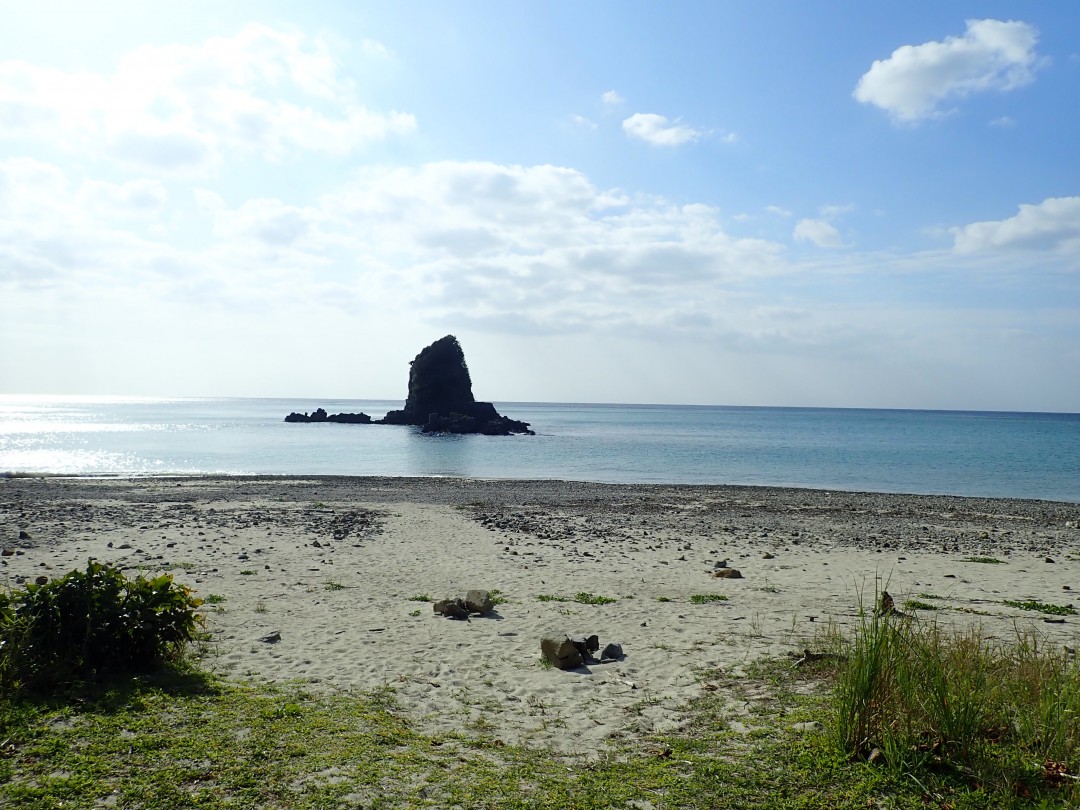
[(570, 652), (320, 415), (474, 602)]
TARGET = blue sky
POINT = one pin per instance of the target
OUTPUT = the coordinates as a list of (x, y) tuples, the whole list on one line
[(821, 204)]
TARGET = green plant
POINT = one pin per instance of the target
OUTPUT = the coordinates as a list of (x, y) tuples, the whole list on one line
[(705, 598), (214, 599), (997, 715), (1042, 607), (986, 560), (334, 586), (90, 623), (584, 598), (420, 597), (247, 573), (414, 612), (915, 604), (663, 599), (497, 597)]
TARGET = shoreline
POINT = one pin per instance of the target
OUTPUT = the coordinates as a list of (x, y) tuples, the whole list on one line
[(537, 482), (337, 566)]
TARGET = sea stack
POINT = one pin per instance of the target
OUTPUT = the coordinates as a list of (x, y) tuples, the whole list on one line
[(440, 398)]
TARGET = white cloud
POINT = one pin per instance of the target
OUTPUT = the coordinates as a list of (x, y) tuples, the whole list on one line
[(538, 246), (611, 97), (1004, 122), (916, 80), (54, 231), (181, 108), (1053, 224), (658, 131), (777, 211), (819, 231), (268, 221), (137, 198), (582, 121)]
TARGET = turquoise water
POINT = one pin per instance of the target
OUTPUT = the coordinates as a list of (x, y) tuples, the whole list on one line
[(1021, 455)]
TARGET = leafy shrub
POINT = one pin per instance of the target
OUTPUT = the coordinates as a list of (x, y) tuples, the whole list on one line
[(91, 623)]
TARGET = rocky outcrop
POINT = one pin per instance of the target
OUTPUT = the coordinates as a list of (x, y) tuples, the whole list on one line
[(320, 415), (440, 398)]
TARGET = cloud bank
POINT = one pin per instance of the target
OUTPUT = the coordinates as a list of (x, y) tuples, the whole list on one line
[(181, 108)]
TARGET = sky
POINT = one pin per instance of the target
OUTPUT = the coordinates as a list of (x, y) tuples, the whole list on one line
[(835, 204)]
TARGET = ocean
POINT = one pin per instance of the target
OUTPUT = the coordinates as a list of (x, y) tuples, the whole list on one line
[(1013, 455)]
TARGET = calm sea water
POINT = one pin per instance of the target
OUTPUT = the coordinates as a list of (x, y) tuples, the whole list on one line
[(1022, 455)]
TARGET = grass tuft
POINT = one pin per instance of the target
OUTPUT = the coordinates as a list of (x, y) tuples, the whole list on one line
[(581, 598), (705, 598), (931, 702), (1043, 607)]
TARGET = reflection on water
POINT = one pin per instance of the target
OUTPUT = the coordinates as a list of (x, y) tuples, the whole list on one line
[(443, 455), (972, 453)]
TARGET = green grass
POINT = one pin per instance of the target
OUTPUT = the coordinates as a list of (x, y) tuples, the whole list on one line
[(986, 560), (334, 586), (421, 597), (957, 708), (582, 598), (963, 722), (664, 599), (916, 604), (705, 598), (1042, 607), (214, 599)]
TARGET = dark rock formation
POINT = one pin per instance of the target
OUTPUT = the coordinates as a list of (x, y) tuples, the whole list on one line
[(320, 415), (440, 398)]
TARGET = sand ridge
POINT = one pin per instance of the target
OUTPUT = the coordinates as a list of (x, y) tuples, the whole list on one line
[(338, 567)]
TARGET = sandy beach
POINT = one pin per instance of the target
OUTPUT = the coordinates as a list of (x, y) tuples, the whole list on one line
[(345, 570)]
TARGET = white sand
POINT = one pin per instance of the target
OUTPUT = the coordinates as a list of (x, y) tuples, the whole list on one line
[(345, 611)]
